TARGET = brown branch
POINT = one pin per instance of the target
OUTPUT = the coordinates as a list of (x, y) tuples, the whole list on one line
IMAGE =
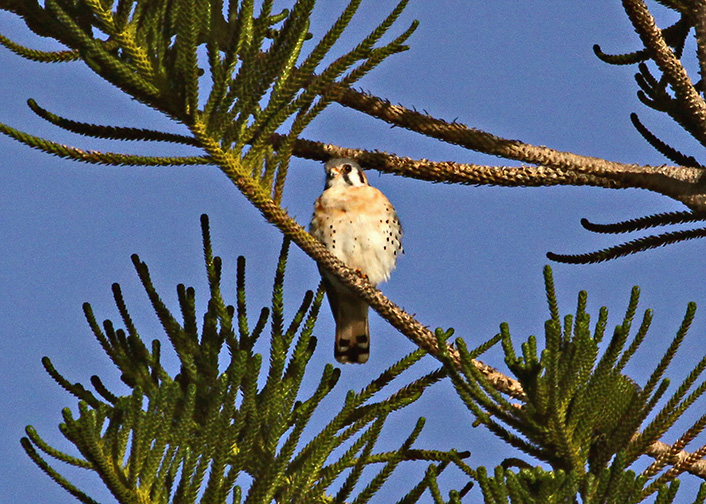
[(668, 63), (450, 172), (470, 138), (699, 16), (658, 449), (396, 316), (679, 182), (682, 183)]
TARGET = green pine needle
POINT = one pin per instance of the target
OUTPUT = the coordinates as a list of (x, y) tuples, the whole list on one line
[(39, 56), (55, 475), (100, 158), (188, 437)]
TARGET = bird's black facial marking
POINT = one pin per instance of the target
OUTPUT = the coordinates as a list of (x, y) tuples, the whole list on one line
[(346, 172), (362, 178)]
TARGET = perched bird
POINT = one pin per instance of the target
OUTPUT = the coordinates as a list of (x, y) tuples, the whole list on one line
[(358, 224)]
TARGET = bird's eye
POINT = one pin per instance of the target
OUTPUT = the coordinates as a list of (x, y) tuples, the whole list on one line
[(347, 168)]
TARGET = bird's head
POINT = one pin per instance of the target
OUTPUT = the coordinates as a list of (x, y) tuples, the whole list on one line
[(344, 173)]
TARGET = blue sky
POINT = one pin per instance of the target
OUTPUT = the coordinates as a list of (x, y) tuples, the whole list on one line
[(474, 255)]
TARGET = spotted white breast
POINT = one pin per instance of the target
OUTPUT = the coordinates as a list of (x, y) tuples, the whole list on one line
[(358, 224)]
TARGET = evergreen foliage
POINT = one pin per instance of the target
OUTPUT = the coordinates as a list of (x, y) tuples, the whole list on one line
[(664, 92), (245, 80), (581, 414), (234, 74), (195, 436)]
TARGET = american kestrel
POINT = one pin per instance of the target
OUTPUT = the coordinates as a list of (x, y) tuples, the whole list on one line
[(358, 224)]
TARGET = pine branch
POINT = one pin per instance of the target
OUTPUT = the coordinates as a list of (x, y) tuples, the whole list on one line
[(110, 132), (668, 151), (631, 247), (659, 449), (679, 182), (578, 413), (446, 171), (55, 475), (554, 167), (203, 427), (97, 157), (671, 67), (39, 56), (647, 222), (620, 59), (699, 18), (674, 35)]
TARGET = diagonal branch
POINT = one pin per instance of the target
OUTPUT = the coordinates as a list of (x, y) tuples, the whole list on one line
[(699, 17), (658, 449), (668, 63), (396, 316)]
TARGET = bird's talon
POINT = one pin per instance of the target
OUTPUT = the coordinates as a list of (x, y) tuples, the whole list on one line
[(361, 274)]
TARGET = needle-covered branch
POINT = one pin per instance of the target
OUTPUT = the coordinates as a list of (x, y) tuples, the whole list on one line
[(276, 215), (246, 104), (669, 64), (191, 437), (682, 183), (448, 172)]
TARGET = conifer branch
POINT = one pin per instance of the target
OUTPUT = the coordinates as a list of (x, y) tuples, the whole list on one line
[(40, 56), (578, 412), (666, 150), (202, 428), (640, 223), (660, 449), (679, 182), (38, 442), (630, 247), (640, 244), (699, 19), (239, 137), (674, 35), (662, 55), (109, 132), (97, 157), (620, 59), (553, 167), (55, 475), (446, 171), (274, 214), (37, 18)]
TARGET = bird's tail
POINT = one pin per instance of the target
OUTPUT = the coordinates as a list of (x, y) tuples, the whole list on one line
[(352, 332)]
